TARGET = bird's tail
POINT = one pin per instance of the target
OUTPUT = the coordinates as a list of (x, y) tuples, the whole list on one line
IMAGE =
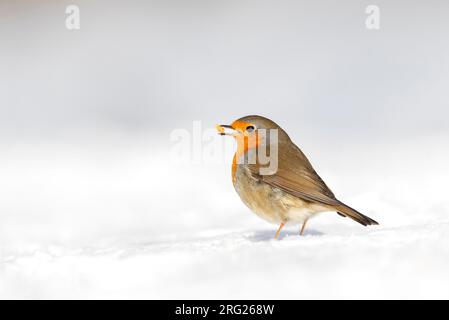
[(347, 211)]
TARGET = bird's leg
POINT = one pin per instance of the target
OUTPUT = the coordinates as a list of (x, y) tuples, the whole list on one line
[(279, 230), (303, 227)]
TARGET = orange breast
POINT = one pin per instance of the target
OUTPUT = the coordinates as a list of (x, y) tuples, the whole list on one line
[(244, 143), (234, 167), (243, 146)]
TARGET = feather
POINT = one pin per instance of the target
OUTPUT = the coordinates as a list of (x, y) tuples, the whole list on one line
[(296, 176)]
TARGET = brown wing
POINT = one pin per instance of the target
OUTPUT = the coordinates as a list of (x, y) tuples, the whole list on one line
[(296, 176)]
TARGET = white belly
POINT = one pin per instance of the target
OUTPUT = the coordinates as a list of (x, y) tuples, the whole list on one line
[(299, 215), (299, 210)]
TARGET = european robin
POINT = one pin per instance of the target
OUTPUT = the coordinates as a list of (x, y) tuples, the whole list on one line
[(275, 179)]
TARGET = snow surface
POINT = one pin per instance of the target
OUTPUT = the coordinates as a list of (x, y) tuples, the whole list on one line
[(117, 220)]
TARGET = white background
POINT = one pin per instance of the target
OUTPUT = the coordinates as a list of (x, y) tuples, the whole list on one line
[(92, 204)]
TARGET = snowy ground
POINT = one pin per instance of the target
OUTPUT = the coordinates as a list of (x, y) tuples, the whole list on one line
[(407, 262), (99, 221)]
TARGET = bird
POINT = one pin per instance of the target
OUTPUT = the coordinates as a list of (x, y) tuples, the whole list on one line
[(291, 192)]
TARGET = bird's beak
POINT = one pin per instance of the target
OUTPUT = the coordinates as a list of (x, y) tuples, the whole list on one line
[(225, 130)]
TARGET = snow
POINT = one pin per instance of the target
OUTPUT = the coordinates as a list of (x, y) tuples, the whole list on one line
[(407, 262), (117, 220)]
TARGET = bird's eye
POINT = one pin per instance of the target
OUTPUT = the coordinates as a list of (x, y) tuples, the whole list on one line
[(250, 128)]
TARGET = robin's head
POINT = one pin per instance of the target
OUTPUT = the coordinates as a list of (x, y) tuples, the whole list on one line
[(249, 129), (251, 132), (258, 140)]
